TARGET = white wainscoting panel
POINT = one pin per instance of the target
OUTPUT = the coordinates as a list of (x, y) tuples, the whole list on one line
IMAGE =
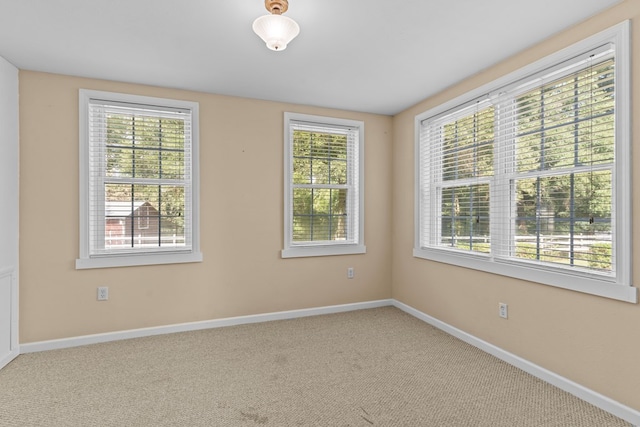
[(8, 316)]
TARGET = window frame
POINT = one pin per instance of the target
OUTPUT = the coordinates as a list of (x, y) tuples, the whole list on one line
[(618, 287), (323, 248), (87, 260)]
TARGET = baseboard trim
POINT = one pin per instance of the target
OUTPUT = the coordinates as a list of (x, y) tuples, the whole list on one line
[(62, 343), (603, 402)]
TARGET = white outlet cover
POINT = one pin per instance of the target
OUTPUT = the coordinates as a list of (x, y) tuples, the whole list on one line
[(503, 310)]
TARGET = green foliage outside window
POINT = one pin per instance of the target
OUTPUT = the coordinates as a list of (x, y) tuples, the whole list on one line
[(320, 175), (561, 126)]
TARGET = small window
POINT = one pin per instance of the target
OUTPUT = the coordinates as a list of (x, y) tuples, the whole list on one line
[(143, 213), (529, 176), (323, 186), (138, 177)]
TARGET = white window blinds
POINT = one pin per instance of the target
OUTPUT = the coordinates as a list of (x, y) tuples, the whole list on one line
[(323, 183), (558, 162), (458, 165), (531, 179), (140, 190)]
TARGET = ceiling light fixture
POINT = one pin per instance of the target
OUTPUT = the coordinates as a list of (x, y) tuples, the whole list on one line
[(276, 30)]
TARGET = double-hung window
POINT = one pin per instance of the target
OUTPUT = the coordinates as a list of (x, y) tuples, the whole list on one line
[(138, 180), (459, 158), (323, 186), (529, 176)]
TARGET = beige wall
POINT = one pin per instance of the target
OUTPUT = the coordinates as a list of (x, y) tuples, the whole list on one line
[(592, 340), (241, 144)]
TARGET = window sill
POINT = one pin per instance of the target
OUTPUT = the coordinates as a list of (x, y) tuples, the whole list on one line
[(137, 260), (325, 250), (603, 287)]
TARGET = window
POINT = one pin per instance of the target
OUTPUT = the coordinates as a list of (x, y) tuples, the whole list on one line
[(138, 180), (529, 176), (323, 186)]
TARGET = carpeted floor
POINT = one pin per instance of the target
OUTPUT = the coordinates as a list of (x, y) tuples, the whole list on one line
[(378, 367)]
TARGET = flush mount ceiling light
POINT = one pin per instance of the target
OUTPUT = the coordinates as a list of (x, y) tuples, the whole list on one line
[(276, 30)]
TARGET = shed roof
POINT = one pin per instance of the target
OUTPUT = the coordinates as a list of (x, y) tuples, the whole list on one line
[(123, 209)]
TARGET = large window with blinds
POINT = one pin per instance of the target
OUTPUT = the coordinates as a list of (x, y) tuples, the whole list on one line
[(138, 180), (323, 186), (529, 176)]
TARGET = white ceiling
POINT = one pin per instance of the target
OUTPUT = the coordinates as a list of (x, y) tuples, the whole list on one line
[(377, 56)]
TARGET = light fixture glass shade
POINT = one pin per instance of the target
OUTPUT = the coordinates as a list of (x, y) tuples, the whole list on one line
[(276, 30)]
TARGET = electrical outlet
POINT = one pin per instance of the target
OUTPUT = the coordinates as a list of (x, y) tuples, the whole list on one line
[(103, 293), (350, 273), (503, 310)]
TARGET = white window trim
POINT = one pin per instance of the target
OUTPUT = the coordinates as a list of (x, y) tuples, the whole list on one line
[(86, 261), (324, 249), (620, 289)]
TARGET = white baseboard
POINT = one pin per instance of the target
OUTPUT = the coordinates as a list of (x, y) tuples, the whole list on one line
[(195, 326), (603, 402)]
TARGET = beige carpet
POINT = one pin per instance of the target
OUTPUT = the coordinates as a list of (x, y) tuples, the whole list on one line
[(378, 367)]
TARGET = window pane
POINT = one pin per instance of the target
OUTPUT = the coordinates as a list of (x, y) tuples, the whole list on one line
[(338, 215), (468, 146), (302, 214), (319, 158), (302, 170), (565, 219), (172, 165), (320, 171), (144, 216), (568, 122), (319, 214), (338, 173), (144, 147), (465, 217)]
